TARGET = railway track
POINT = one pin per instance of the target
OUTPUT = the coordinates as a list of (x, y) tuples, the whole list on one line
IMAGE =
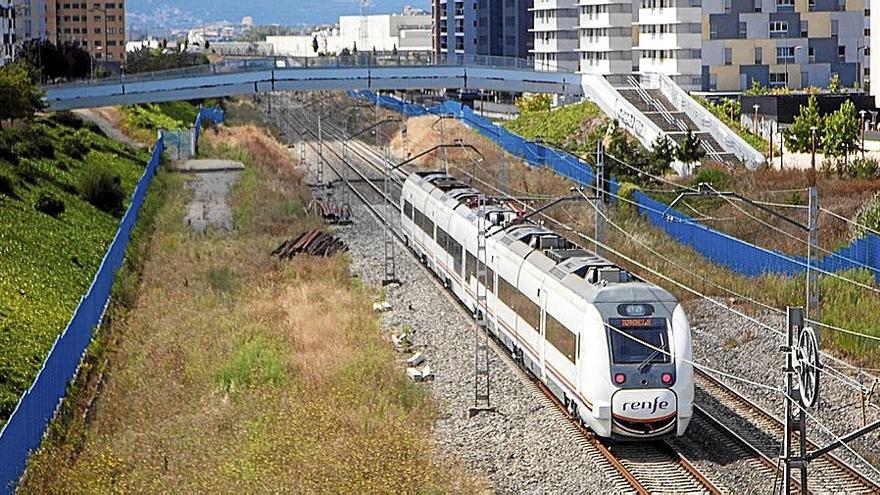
[(760, 432), (655, 467)]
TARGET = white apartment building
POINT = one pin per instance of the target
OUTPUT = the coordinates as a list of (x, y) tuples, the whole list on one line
[(555, 32), (606, 38), (669, 34)]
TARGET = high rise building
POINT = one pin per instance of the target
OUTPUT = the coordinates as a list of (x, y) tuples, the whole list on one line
[(794, 43), (30, 20), (482, 27), (555, 34), (7, 32), (97, 27), (606, 38), (724, 45)]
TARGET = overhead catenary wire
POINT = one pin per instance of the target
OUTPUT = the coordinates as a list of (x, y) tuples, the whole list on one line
[(716, 285), (849, 220), (804, 241)]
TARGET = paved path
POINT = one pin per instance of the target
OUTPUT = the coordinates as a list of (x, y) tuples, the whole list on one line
[(212, 181), (109, 129)]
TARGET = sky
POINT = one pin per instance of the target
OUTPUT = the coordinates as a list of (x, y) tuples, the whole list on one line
[(286, 12)]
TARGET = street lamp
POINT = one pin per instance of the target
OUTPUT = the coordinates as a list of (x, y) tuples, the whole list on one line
[(756, 107), (862, 113)]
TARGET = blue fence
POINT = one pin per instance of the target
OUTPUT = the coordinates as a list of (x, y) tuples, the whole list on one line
[(738, 255), (36, 407), (213, 114)]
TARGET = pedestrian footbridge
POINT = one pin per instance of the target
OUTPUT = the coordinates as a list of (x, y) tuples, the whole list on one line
[(246, 76), (651, 108)]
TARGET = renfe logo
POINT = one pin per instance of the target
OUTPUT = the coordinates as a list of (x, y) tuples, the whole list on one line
[(650, 406), (644, 403)]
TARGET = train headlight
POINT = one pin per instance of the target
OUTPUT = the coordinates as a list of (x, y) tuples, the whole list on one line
[(619, 378), (666, 378)]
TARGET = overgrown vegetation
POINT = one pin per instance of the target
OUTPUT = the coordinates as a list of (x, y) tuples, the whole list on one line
[(51, 239), (285, 385)]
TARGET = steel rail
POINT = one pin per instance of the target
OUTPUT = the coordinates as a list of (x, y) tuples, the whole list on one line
[(765, 421), (677, 461)]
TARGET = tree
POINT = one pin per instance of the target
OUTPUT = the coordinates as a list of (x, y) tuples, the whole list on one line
[(51, 62), (689, 151), (20, 95), (533, 102), (355, 48), (661, 156), (207, 45), (394, 49), (798, 136), (834, 83), (841, 132), (315, 44), (146, 60)]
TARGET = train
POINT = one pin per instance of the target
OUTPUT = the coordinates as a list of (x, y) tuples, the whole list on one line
[(614, 349)]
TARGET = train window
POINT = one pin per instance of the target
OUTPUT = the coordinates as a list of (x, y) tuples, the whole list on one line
[(455, 250), (442, 238), (407, 209), (470, 266), (628, 344), (490, 279), (561, 338)]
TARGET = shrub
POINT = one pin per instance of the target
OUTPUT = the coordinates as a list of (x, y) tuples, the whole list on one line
[(27, 172), (67, 119), (868, 217), (627, 190), (49, 204), (31, 142), (103, 190), (864, 168), (74, 146), (7, 184), (718, 178)]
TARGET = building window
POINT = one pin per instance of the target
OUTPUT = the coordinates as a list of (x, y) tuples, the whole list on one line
[(805, 29), (812, 55), (785, 5), (778, 29), (728, 56), (759, 55), (778, 79), (784, 54), (834, 27), (743, 30), (841, 53)]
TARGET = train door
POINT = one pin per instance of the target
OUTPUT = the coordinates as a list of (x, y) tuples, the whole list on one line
[(542, 342)]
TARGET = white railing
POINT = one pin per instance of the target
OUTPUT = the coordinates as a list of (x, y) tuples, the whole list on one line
[(598, 89), (706, 122)]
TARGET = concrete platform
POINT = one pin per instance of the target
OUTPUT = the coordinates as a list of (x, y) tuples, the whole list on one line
[(209, 165)]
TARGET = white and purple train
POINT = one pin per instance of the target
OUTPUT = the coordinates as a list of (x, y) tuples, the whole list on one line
[(564, 313)]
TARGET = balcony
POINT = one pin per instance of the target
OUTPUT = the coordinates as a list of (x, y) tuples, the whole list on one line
[(604, 20), (670, 15), (669, 41), (605, 43)]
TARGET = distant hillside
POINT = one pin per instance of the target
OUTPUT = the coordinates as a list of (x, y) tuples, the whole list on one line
[(183, 13)]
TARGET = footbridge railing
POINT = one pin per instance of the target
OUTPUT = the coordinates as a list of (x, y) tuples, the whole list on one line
[(354, 72)]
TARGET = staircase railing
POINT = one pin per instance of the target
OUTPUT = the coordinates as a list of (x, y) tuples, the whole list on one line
[(706, 122)]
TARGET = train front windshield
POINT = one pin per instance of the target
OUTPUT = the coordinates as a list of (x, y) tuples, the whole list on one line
[(639, 340)]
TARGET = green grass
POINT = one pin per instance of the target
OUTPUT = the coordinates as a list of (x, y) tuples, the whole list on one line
[(48, 263), (255, 362), (567, 127)]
